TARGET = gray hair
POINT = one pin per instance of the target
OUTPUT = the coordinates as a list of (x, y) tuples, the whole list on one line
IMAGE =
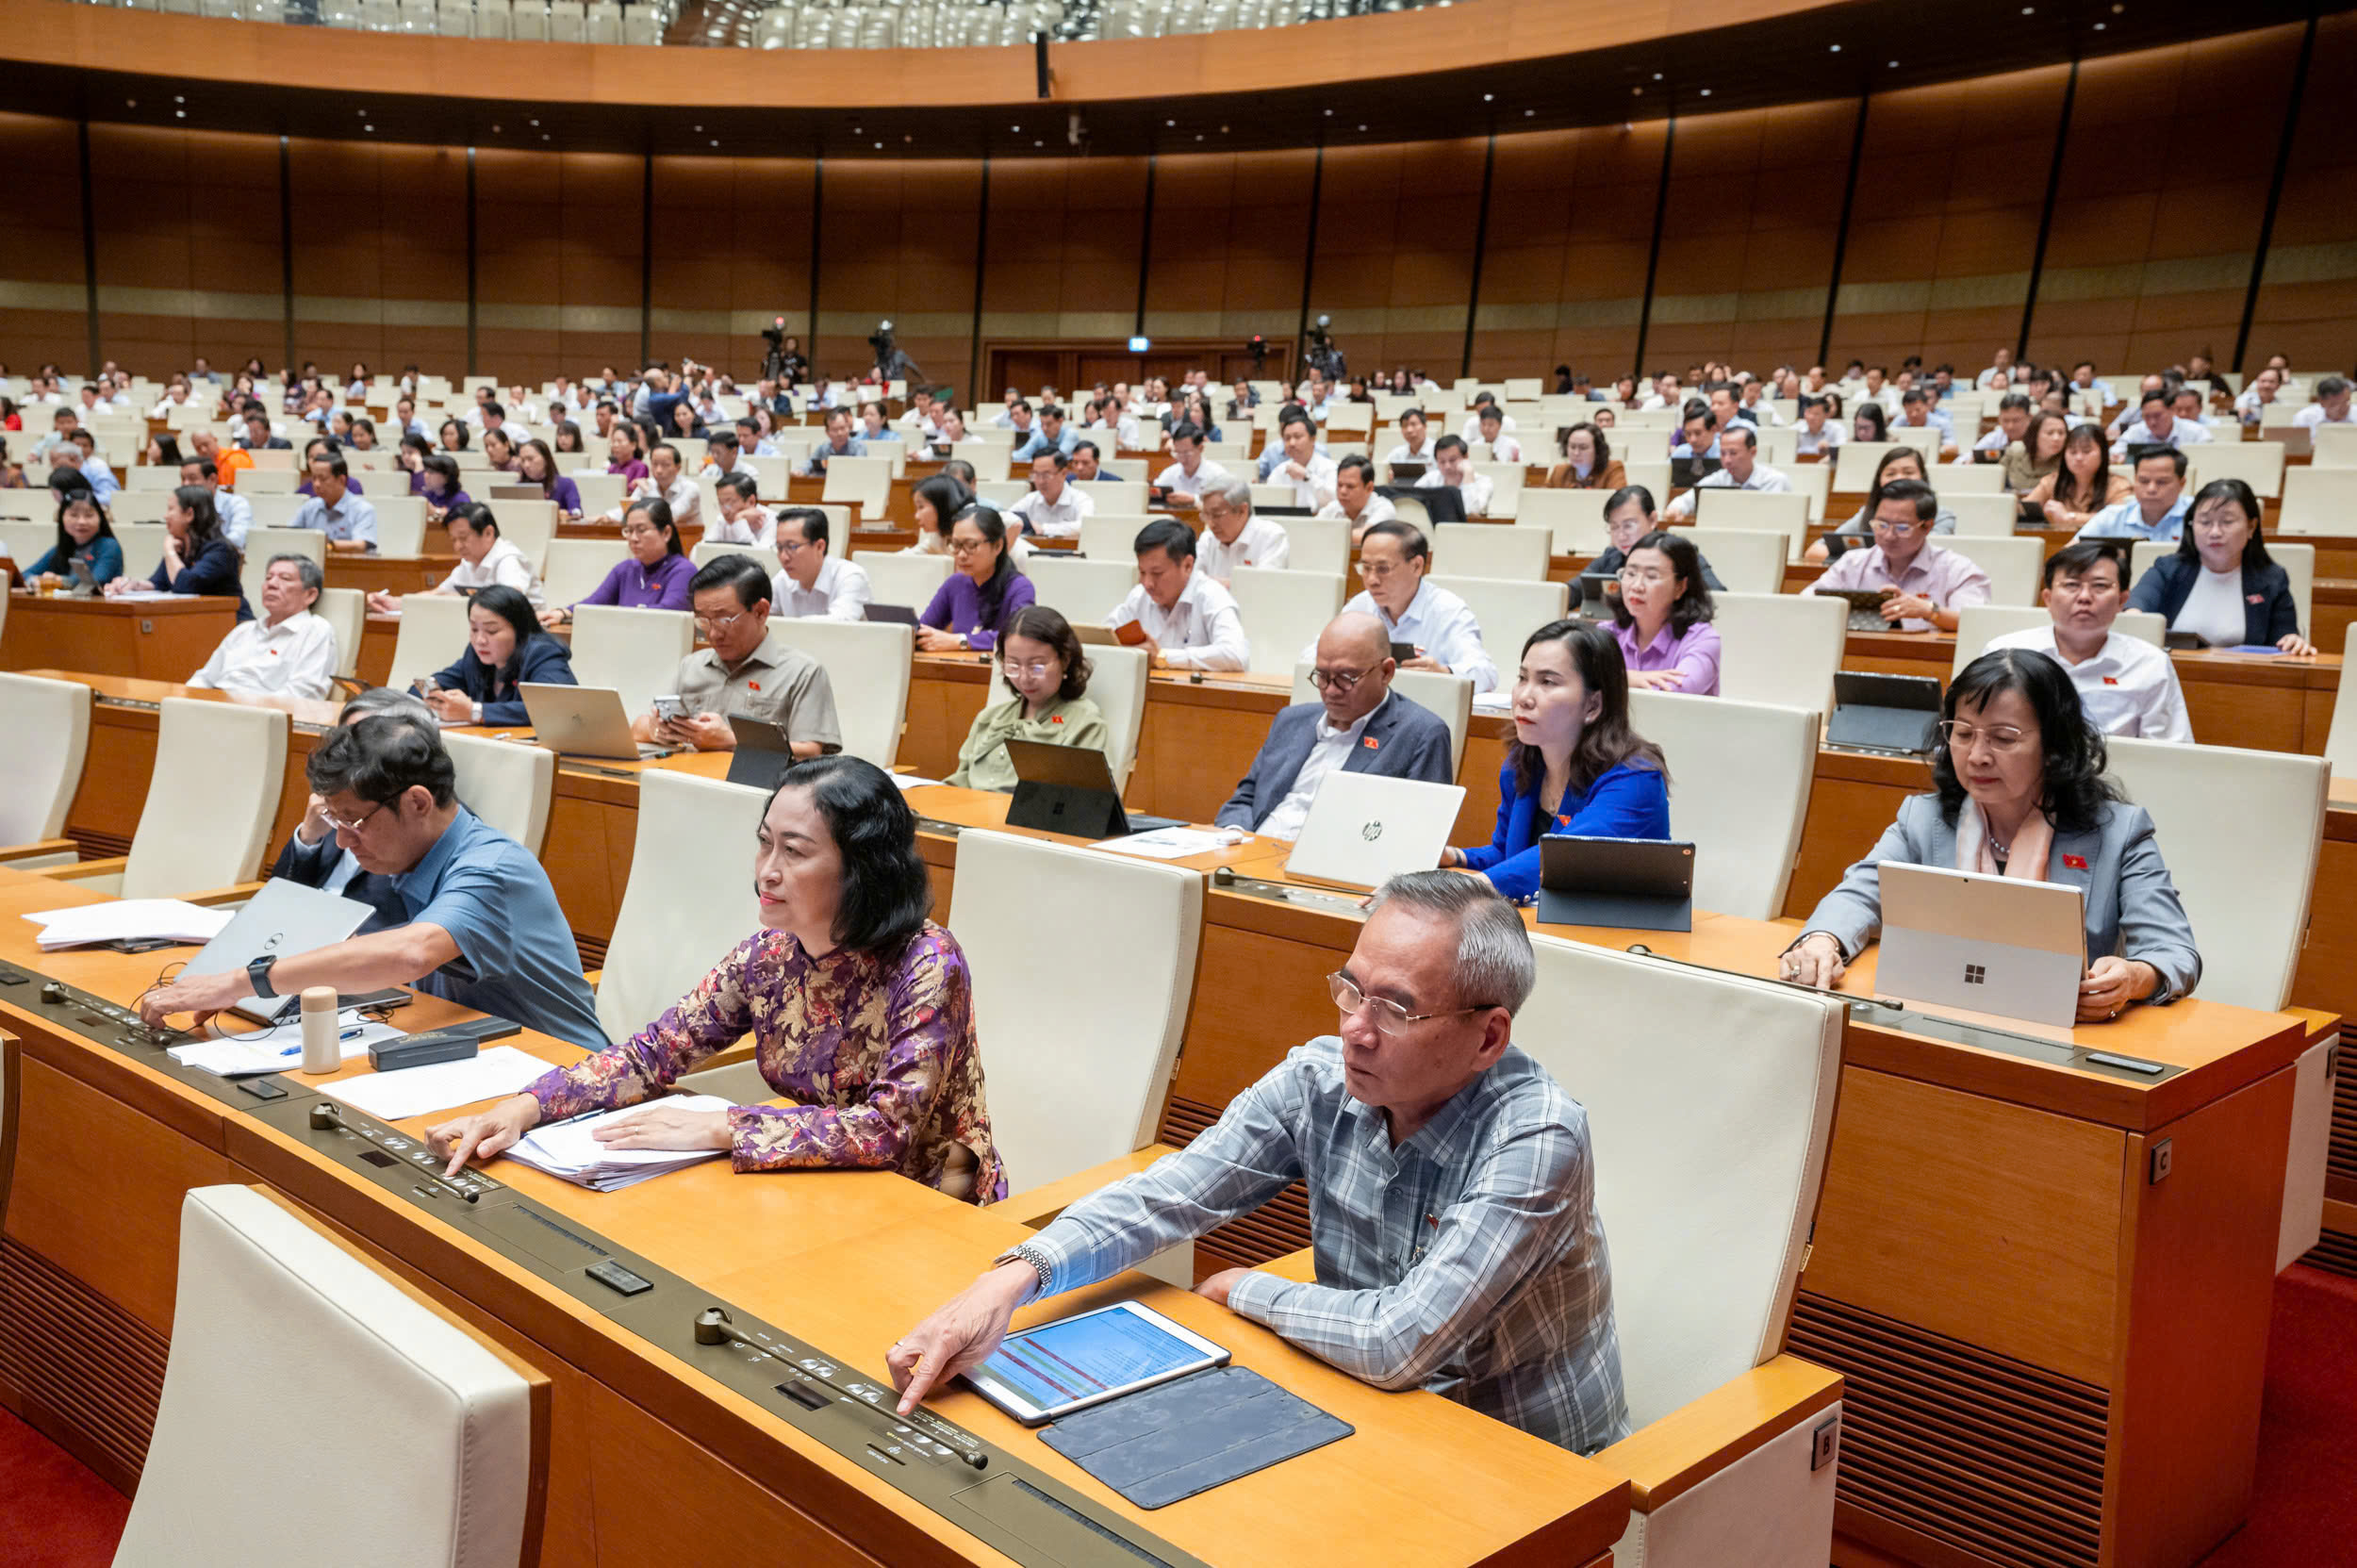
[(305, 568), (391, 702), (1495, 967), (1236, 492)]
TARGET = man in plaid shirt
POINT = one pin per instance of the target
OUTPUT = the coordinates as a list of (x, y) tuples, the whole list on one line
[(1451, 1193)]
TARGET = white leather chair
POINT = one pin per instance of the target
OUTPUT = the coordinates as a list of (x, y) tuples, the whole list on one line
[(2015, 566), (528, 525), (600, 493), (1573, 519), (1977, 624), (1979, 517), (1118, 686), (895, 578), (267, 479), (1316, 544), (1283, 611), (432, 632), (1854, 463), (28, 540), (1505, 493), (1740, 780), (507, 783), (862, 482), (689, 901), (1747, 560), (2257, 464), (47, 723), (1780, 648), (2317, 499), (2298, 562), (637, 652), (1114, 536), (1507, 612), (355, 1355), (1784, 512), (346, 612), (1077, 1056), (868, 665), (575, 567), (263, 543), (400, 524), (1447, 698), (1709, 1127), (142, 547), (210, 802), (1086, 590), (2340, 743), (1969, 479), (708, 551), (2334, 446), (1485, 550), (1814, 482)]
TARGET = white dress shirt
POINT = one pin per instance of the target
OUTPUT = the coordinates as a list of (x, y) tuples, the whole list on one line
[(1765, 480), (2314, 415), (503, 564), (754, 525), (841, 592), (1259, 543), (2181, 434), (2128, 688), (1056, 519), (295, 658), (1806, 441), (1201, 630), (1329, 750), (1207, 473), (1471, 431), (1378, 509), (1314, 491), (1475, 492), (1506, 449), (1441, 625), (685, 501), (1403, 454)]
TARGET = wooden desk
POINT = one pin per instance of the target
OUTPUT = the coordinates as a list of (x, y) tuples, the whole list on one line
[(643, 1445), (387, 573), (158, 639)]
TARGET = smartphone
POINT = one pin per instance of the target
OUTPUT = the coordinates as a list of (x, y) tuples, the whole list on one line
[(1130, 634), (143, 944), (1403, 651), (669, 709), (1070, 1364)]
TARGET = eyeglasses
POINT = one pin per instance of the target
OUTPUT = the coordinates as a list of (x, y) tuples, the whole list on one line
[(1387, 1016), (1632, 577), (788, 549), (1895, 529), (1038, 669), (1375, 571), (2002, 738), (352, 826), (1340, 682), (639, 530), (709, 624), (965, 547)]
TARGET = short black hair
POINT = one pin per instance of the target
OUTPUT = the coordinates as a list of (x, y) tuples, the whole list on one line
[(812, 520), (732, 571), (336, 467), (2014, 400), (1412, 543), (722, 437), (2074, 558), (2158, 394), (490, 408), (380, 759), (1451, 443), (1055, 455), (1915, 493), (1292, 413), (1168, 535), (744, 484), (1362, 466), (2176, 457), (887, 894)]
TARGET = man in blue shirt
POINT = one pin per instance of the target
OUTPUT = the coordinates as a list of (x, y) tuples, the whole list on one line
[(484, 930), (2156, 509), (347, 520)]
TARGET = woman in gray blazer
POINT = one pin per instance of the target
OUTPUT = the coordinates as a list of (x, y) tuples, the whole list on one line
[(2020, 791)]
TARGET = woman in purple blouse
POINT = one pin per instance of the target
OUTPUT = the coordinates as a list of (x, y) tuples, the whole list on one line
[(655, 576), (1661, 618), (629, 460), (537, 465), (984, 591), (861, 1010)]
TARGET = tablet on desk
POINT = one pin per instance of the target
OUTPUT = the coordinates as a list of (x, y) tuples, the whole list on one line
[(1057, 1368)]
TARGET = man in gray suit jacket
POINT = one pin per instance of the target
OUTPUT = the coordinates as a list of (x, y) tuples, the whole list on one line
[(1357, 726)]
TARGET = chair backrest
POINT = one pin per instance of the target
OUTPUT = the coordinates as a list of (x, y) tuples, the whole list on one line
[(456, 1492), (346, 612), (1780, 648), (1507, 612), (2298, 562), (600, 493), (1783, 512), (1573, 519), (708, 551), (259, 481), (263, 543), (1955, 479), (1981, 517), (1077, 1056), (142, 547), (1316, 544), (1086, 591), (689, 901), (898, 578), (2245, 890), (2332, 446), (1485, 550), (1708, 1128), (400, 524), (2258, 464), (507, 783), (636, 652), (1978, 623), (2016, 565), (1283, 612), (1747, 560), (1118, 686), (2317, 499), (2340, 745), (863, 481), (47, 723), (867, 663), (1740, 779), (577, 566), (1506, 494), (1447, 698), (432, 632), (1111, 536), (528, 525), (210, 800)]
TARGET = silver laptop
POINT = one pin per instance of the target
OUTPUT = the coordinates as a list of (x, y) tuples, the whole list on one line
[(1364, 829), (582, 721), (1964, 942), (282, 920)]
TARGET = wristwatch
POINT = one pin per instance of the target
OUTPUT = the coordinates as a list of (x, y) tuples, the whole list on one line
[(258, 973)]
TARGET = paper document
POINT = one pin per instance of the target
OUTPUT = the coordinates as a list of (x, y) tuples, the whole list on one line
[(1170, 843), (275, 1051), (1493, 702), (142, 596), (909, 781), (493, 1074), (569, 1151), (129, 919)]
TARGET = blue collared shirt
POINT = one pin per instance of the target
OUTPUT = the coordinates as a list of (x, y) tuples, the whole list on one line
[(1469, 1260), (1065, 439), (515, 954), (351, 518), (2125, 520)]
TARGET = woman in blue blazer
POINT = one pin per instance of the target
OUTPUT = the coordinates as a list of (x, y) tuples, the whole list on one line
[(1575, 765), (197, 559), (2020, 791), (505, 647), (85, 537), (2221, 566)]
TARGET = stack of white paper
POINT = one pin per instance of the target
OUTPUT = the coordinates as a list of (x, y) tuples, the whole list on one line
[(129, 920), (567, 1150), (275, 1051), (492, 1074)]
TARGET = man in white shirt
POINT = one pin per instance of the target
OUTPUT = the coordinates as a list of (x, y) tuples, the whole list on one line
[(1189, 620), (1108, 417), (1190, 476), (1664, 395), (2127, 686), (666, 480), (1503, 447), (285, 651), (2133, 411), (1415, 445), (2013, 422), (743, 519), (1355, 501), (812, 580), (723, 454), (1817, 434), (1740, 468), (2000, 363), (1917, 413), (235, 511), (2157, 425), (1233, 537), (484, 560), (2332, 405), (1392, 561), (1452, 465), (1055, 507), (1300, 464), (2261, 392), (1483, 403)]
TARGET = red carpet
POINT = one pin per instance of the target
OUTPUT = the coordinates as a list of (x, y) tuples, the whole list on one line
[(56, 1514)]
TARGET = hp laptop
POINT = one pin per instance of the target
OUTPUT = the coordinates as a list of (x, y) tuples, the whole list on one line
[(2002, 949), (1069, 790), (282, 920), (583, 721), (1636, 884), (1364, 829), (1893, 713)]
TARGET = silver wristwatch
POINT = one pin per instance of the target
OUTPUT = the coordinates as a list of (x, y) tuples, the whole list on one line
[(1028, 1253)]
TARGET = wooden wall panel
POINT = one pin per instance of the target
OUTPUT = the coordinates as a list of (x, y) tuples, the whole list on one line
[(1396, 252), (1564, 274), (897, 243), (43, 310), (1064, 245), (732, 255), (1229, 235), (380, 256), (2308, 300), (188, 247)]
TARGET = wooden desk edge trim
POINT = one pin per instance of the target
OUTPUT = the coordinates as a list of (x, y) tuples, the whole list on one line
[(1668, 1457)]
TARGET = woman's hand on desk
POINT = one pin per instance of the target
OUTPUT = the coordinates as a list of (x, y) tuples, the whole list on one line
[(2111, 985), (665, 1127), (2292, 642), (960, 1334), (486, 1134), (454, 705), (932, 639), (1815, 960)]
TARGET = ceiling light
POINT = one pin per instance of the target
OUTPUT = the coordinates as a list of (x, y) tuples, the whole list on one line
[(1656, 75), (179, 100), (370, 129), (879, 146), (180, 114), (1637, 93), (1833, 49), (715, 142), (1489, 97), (1705, 92), (1528, 112)]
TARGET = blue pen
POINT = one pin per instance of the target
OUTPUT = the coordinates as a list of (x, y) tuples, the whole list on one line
[(352, 1033)]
